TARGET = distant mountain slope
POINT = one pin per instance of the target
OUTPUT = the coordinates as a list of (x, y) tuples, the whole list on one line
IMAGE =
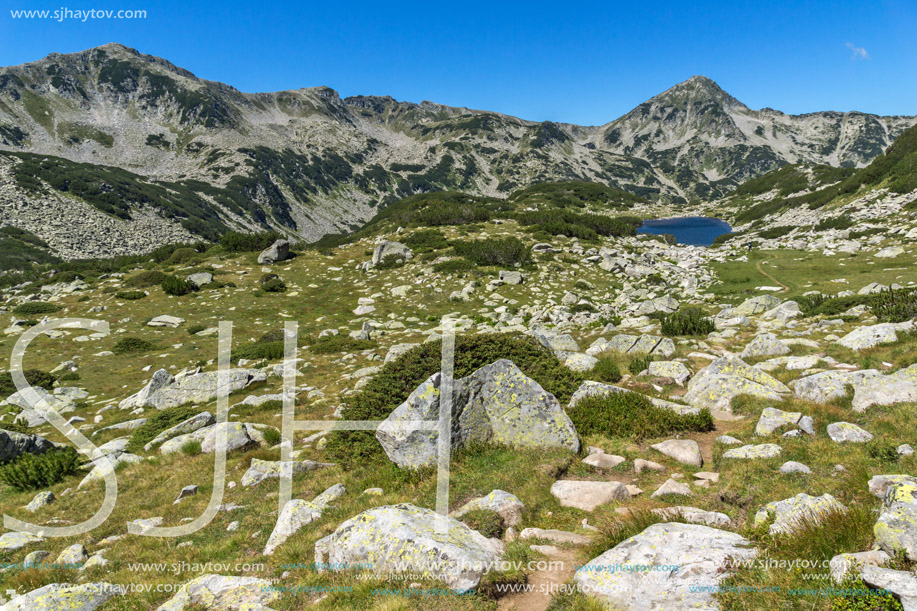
[(814, 187), (206, 157)]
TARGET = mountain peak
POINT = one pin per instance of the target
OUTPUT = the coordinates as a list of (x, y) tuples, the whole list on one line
[(699, 87)]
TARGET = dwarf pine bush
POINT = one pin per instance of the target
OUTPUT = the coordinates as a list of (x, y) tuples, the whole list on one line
[(687, 321), (633, 416), (37, 471)]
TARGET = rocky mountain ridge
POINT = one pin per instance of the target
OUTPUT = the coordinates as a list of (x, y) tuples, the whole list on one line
[(307, 162)]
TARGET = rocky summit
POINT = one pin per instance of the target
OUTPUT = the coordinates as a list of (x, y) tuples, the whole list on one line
[(292, 351)]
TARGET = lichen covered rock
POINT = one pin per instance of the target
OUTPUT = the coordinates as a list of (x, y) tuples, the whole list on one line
[(406, 537), (497, 403)]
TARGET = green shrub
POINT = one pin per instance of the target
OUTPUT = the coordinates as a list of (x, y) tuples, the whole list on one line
[(894, 305), (397, 379), (488, 523), (882, 450), (556, 221), (331, 344), (132, 345), (33, 376), (503, 252), (70, 376), (37, 471), (640, 363), (272, 436), (776, 232), (192, 447), (157, 423), (196, 328), (687, 321), (146, 279), (725, 237), (130, 295), (390, 261), (606, 370), (173, 285), (36, 307), (266, 350), (183, 255), (426, 240), (857, 596), (274, 285), (632, 416), (455, 266), (234, 241), (816, 305)]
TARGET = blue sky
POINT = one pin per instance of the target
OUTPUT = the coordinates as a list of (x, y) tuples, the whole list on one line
[(579, 62)]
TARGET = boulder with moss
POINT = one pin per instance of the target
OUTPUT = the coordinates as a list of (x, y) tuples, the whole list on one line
[(497, 404)]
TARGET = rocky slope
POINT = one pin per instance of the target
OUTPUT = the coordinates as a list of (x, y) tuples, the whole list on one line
[(150, 135), (810, 429)]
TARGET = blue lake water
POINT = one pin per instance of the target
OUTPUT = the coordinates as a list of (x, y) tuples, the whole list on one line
[(694, 230)]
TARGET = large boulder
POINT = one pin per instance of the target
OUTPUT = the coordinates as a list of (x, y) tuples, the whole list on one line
[(116, 459), (717, 384), (634, 344), (773, 419), (558, 342), (684, 563), (28, 415), (403, 537), (765, 344), (261, 470), (199, 279), (756, 305), (879, 484), (665, 304), (14, 540), (693, 515), (685, 451), (754, 452), (898, 387), (224, 592), (842, 432), (297, 513), (497, 403), (670, 369), (896, 528), (391, 249), (65, 596), (276, 252), (165, 390), (507, 505), (824, 386), (194, 423), (874, 335), (870, 387), (783, 312), (240, 436), (902, 584), (797, 512), (13, 445), (587, 495)]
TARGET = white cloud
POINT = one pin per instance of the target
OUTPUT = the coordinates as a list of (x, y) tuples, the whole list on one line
[(858, 52)]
